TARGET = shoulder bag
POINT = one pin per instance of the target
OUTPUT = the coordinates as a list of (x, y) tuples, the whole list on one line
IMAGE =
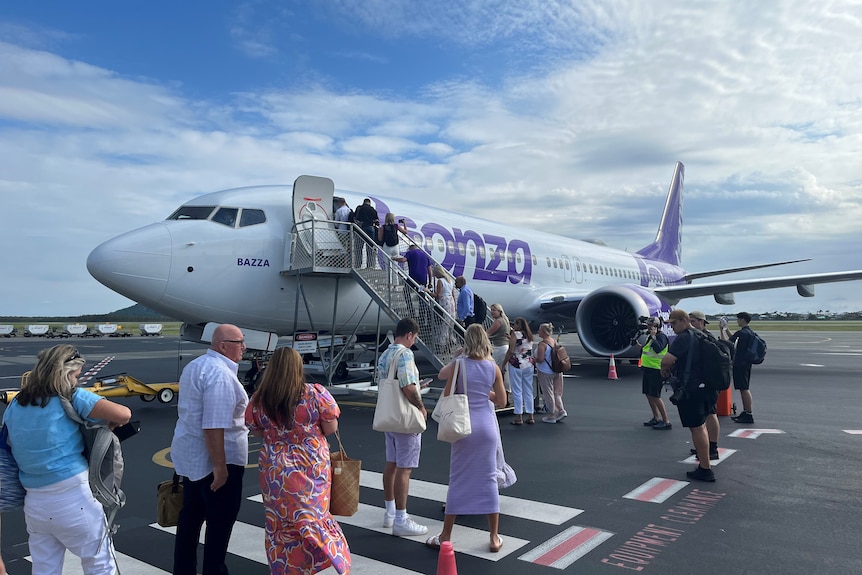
[(344, 493), (452, 412), (169, 502), (506, 476), (393, 412)]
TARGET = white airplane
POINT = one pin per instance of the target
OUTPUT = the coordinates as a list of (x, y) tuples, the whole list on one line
[(220, 257)]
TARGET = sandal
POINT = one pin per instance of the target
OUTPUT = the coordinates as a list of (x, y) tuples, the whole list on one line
[(531, 421), (516, 422), (433, 542), (495, 548)]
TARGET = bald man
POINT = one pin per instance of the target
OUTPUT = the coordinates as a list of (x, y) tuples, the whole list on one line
[(210, 451)]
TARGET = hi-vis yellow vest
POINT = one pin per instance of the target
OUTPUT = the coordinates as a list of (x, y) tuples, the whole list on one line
[(651, 359)]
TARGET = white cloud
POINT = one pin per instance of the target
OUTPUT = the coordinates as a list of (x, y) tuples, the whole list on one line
[(760, 102)]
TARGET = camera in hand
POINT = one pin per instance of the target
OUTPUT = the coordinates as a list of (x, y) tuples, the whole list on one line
[(679, 391), (644, 323)]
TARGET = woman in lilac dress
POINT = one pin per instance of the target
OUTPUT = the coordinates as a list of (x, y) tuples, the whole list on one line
[(473, 462)]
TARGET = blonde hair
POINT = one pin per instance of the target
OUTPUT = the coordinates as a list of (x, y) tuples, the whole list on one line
[(439, 272), (548, 328), (281, 387), (51, 376), (389, 219), (476, 343), (503, 318)]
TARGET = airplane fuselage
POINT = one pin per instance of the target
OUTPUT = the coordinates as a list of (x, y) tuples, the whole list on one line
[(200, 270)]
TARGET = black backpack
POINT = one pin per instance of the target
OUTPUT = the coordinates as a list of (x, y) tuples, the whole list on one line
[(390, 235), (756, 351), (480, 309), (351, 217), (716, 359)]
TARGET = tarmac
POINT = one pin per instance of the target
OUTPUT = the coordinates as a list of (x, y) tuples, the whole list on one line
[(596, 493)]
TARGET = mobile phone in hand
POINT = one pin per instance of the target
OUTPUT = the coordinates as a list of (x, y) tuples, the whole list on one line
[(124, 432)]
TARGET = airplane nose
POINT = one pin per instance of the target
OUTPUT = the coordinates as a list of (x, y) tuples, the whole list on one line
[(135, 264)]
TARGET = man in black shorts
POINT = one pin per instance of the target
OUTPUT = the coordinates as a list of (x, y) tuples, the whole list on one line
[(653, 349), (713, 428), (683, 360), (741, 364)]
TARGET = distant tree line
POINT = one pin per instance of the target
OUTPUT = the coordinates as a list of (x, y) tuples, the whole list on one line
[(135, 313), (807, 316), (143, 314)]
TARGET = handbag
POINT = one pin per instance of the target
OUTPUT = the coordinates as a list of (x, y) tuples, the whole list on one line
[(452, 412), (170, 502), (505, 474), (344, 492), (514, 361), (11, 491), (393, 413)]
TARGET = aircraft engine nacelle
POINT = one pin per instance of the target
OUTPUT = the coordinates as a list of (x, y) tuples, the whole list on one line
[(607, 319)]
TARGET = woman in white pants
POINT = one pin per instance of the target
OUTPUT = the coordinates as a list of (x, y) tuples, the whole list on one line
[(520, 365), (59, 508)]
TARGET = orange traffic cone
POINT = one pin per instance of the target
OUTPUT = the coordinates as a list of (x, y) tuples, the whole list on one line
[(446, 559), (612, 371)]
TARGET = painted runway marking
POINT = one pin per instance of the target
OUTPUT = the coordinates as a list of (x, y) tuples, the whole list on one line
[(753, 433), (656, 490), (723, 454), (567, 547), (465, 539), (249, 541), (811, 365), (127, 565), (94, 370), (853, 431), (512, 506)]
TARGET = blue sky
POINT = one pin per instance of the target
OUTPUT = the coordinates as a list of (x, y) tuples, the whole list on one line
[(560, 115)]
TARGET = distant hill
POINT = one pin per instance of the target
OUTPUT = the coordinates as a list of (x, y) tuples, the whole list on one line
[(134, 313)]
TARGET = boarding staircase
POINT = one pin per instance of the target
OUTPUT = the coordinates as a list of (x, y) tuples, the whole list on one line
[(319, 248)]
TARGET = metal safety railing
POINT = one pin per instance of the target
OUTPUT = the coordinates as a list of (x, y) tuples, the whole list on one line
[(319, 246)]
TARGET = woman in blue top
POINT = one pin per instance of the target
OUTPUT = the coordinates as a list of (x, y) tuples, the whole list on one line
[(59, 508)]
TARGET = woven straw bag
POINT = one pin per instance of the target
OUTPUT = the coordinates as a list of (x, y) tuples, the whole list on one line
[(344, 495)]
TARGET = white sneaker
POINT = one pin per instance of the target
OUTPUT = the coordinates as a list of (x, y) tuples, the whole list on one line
[(562, 415), (388, 520), (549, 419), (408, 528)]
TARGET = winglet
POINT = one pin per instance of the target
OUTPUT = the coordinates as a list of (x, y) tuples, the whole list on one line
[(667, 246)]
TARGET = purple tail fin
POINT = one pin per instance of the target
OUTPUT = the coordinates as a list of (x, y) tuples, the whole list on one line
[(667, 246)]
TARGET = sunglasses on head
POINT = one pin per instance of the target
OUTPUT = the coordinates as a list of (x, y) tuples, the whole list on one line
[(75, 355)]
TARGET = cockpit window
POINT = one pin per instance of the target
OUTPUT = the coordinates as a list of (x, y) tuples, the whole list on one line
[(251, 217), (226, 216), (192, 213)]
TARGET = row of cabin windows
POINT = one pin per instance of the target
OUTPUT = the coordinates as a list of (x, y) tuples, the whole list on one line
[(597, 269), (225, 216)]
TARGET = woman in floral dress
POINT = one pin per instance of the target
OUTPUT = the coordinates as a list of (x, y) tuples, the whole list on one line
[(294, 419)]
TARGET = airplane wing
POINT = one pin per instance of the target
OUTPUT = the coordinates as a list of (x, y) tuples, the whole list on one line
[(723, 291), (689, 277)]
